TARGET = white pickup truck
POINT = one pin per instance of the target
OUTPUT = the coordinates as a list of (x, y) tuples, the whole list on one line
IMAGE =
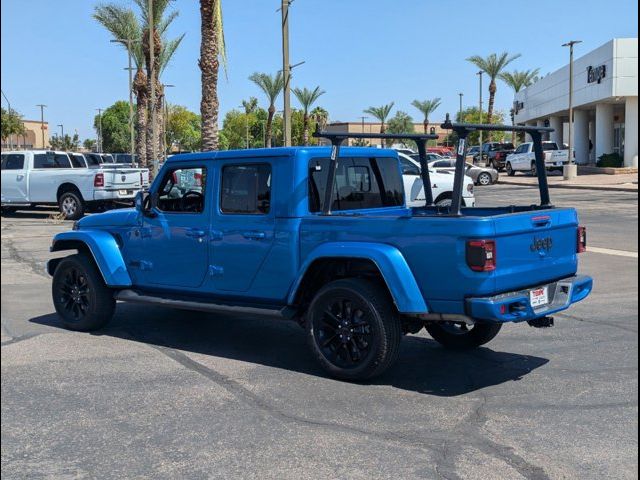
[(441, 185), (523, 159), (33, 177)]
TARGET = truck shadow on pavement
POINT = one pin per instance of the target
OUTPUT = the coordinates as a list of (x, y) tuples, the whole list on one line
[(423, 366)]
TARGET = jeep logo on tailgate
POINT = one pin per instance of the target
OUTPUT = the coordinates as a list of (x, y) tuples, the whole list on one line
[(541, 244)]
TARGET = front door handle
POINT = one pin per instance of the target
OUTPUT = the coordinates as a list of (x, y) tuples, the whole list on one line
[(19, 177), (196, 233), (254, 235)]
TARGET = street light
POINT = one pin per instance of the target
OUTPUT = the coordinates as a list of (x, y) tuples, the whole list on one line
[(128, 42), (42, 107), (569, 170), (480, 106), (61, 131)]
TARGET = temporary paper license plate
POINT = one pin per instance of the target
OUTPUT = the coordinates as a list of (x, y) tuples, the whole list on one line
[(124, 192), (539, 297)]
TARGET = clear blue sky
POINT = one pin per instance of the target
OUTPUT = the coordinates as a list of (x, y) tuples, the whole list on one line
[(362, 52)]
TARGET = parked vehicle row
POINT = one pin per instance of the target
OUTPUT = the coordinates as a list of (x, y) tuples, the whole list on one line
[(75, 182)]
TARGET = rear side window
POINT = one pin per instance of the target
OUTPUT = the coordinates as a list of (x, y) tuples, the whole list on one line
[(77, 161), (51, 160), (360, 183), (12, 161), (93, 160), (246, 189)]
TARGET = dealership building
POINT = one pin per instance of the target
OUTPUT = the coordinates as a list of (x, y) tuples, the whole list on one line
[(605, 101)]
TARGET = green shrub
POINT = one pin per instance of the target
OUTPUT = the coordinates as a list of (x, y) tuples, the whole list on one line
[(610, 160)]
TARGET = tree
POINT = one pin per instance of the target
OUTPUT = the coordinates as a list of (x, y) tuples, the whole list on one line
[(472, 115), (426, 107), (115, 127), (89, 144), (124, 24), (65, 143), (307, 98), (271, 86), (11, 124), (492, 65), (250, 105), (400, 123), (381, 114), (212, 50), (320, 116), (517, 81), (183, 129)]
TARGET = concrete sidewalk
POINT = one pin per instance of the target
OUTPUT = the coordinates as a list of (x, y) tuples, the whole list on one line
[(619, 183)]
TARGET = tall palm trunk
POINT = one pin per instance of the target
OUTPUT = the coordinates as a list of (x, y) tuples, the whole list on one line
[(140, 87), (152, 101), (272, 111), (492, 98), (305, 131), (425, 124), (513, 124), (209, 65)]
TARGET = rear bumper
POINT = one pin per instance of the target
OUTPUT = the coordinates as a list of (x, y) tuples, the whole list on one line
[(516, 306), (124, 194)]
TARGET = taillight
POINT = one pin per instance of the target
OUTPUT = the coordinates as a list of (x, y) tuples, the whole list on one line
[(98, 180), (481, 255), (582, 239)]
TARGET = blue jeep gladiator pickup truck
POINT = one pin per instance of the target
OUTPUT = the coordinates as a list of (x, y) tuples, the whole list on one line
[(322, 235)]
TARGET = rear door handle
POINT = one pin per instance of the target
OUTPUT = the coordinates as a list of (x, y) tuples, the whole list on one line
[(254, 235)]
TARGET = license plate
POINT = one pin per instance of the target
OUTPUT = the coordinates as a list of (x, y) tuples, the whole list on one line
[(558, 164), (123, 192), (539, 297)]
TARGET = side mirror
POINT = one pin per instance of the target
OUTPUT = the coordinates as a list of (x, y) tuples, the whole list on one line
[(139, 200), (145, 202)]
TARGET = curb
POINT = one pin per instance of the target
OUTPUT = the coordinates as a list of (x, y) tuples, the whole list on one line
[(575, 187)]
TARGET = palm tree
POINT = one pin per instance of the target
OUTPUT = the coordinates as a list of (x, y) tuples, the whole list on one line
[(320, 116), (493, 65), (271, 86), (381, 114), (212, 50), (426, 107), (517, 81), (307, 98), (124, 24), (250, 105)]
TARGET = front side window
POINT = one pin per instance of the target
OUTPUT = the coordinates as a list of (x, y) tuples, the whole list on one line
[(409, 168), (246, 189), (12, 161), (51, 160), (360, 183), (182, 190)]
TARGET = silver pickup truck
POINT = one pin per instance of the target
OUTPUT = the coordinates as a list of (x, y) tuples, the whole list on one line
[(33, 177)]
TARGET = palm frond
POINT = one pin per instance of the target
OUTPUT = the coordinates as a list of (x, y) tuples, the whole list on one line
[(168, 49), (427, 107), (270, 85), (307, 97), (381, 113), (123, 24), (518, 80), (493, 64)]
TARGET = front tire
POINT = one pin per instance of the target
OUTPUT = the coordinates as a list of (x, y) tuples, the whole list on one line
[(71, 205), (353, 329), (484, 179), (534, 169), (461, 337), (80, 295), (510, 171)]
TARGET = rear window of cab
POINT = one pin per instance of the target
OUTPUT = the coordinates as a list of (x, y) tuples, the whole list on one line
[(361, 183)]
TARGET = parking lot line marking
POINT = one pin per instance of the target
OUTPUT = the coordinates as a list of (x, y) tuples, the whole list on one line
[(609, 251)]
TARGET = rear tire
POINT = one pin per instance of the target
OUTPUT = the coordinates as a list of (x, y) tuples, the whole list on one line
[(461, 337), (484, 179), (353, 329), (8, 210), (80, 295), (534, 169), (71, 205)]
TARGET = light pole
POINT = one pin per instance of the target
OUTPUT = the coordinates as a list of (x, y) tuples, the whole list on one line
[(42, 107), (128, 42), (99, 130), (460, 119), (152, 101), (286, 72), (480, 107), (570, 169), (61, 131)]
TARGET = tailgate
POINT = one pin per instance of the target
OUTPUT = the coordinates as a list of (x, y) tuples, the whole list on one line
[(122, 179), (535, 247)]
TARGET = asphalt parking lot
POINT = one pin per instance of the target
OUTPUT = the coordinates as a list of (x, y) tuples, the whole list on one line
[(168, 394)]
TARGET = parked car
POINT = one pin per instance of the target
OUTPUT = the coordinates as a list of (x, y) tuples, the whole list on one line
[(494, 154), (442, 151), (523, 159), (357, 273), (480, 175), (441, 185), (91, 160), (33, 177), (471, 153), (430, 157)]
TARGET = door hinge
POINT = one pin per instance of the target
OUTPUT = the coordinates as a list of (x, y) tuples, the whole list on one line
[(215, 270)]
